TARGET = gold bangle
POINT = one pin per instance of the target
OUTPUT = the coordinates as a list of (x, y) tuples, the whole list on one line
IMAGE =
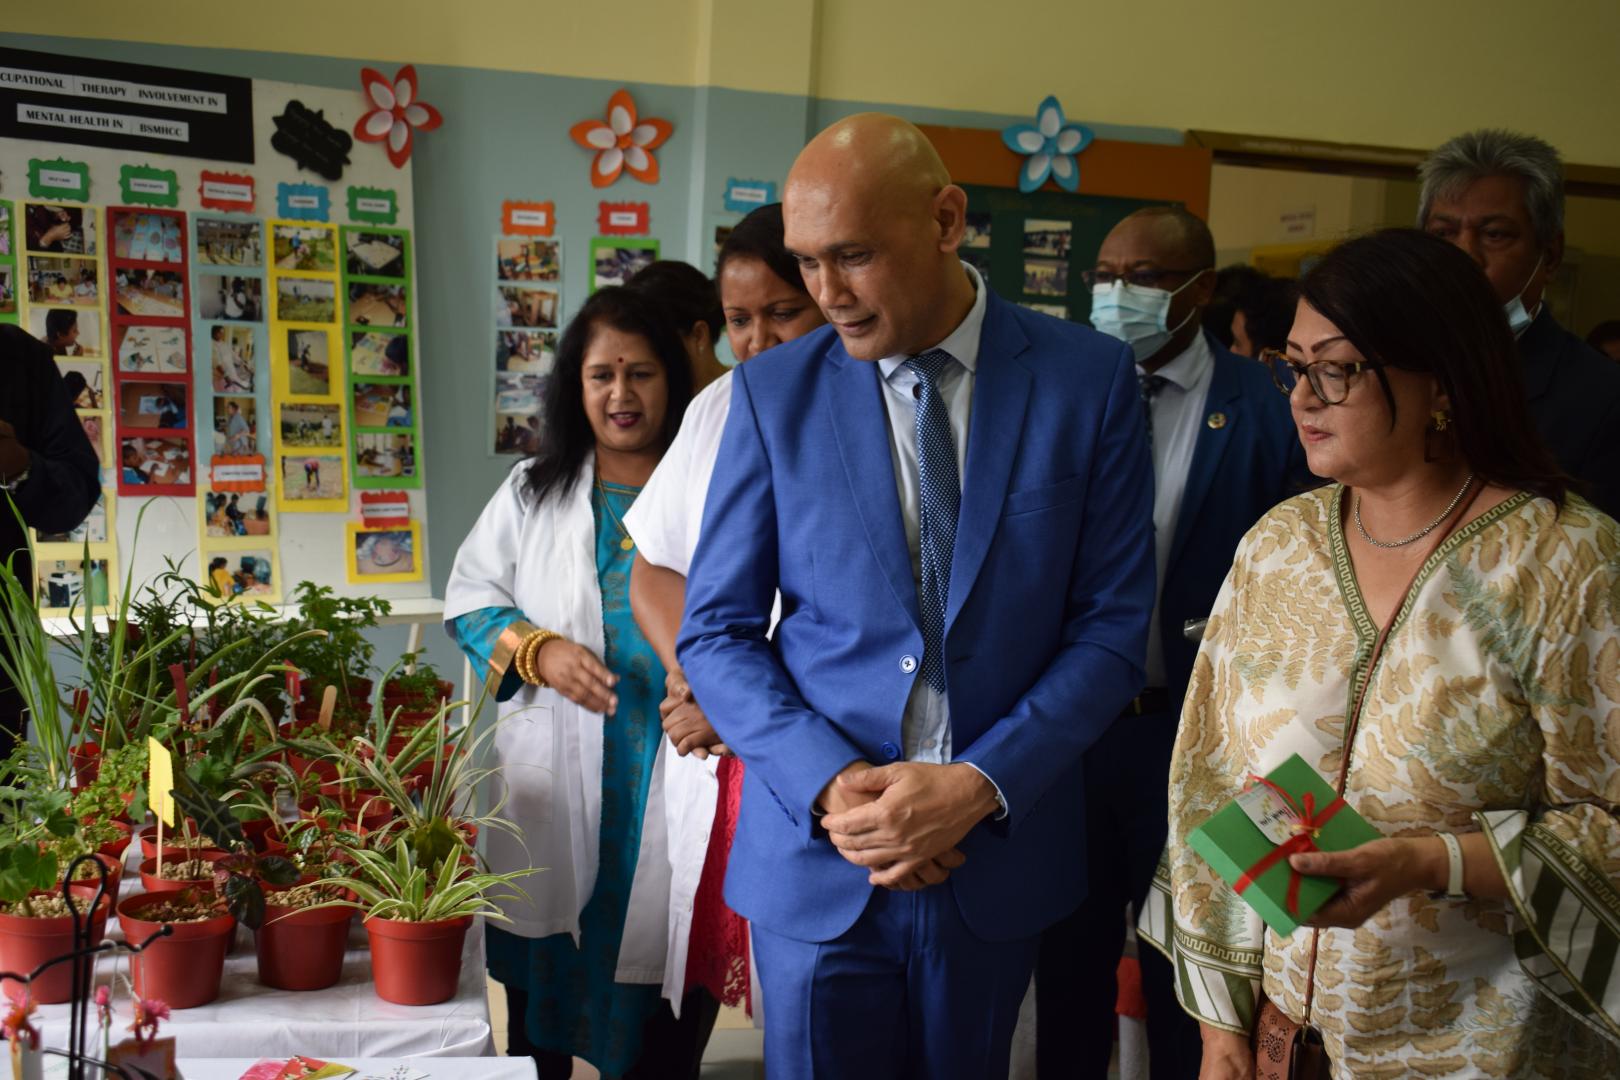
[(527, 657)]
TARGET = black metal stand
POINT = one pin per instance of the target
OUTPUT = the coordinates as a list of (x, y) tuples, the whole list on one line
[(83, 958)]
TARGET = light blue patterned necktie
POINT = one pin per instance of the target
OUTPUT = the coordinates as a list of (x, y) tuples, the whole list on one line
[(940, 498)]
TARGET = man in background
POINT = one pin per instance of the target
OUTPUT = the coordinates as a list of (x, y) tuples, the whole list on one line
[(48, 472), (1500, 197), (1224, 452)]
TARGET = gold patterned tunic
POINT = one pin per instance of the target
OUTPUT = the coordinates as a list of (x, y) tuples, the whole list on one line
[(1494, 705)]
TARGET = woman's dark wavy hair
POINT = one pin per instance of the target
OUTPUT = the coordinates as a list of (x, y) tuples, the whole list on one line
[(759, 236), (566, 436), (684, 295), (1412, 301)]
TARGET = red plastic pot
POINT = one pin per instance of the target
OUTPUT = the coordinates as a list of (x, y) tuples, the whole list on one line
[(257, 831), (115, 873), (154, 884), (355, 689), (116, 848), (171, 848), (183, 969), (27, 943), (325, 770), (302, 948), (377, 811), (416, 963), (86, 759)]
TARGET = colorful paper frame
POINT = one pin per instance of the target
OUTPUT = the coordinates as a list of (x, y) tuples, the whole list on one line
[(143, 185), (528, 218), (361, 439), (355, 533), (743, 196), (623, 219), (226, 191), (43, 185), (303, 202), (373, 206)]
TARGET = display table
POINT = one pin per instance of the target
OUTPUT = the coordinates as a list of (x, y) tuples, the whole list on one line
[(343, 1022), (443, 1068)]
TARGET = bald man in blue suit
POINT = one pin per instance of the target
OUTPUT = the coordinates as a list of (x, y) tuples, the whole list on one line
[(953, 496)]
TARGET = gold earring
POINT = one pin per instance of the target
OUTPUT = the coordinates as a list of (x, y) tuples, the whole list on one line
[(1442, 419)]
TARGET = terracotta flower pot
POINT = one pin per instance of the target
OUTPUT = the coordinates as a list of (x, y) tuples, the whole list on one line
[(172, 848), (115, 873), (183, 969), (416, 963), (154, 884), (302, 948), (27, 943), (86, 759), (355, 689)]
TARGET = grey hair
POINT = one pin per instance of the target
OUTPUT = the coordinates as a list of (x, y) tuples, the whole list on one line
[(1496, 152)]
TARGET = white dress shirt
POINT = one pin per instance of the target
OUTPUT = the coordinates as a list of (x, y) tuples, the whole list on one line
[(926, 727), (1178, 413)]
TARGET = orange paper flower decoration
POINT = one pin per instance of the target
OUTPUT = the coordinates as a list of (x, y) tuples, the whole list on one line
[(394, 112), (623, 143)]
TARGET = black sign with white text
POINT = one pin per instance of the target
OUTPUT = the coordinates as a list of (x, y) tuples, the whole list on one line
[(69, 99)]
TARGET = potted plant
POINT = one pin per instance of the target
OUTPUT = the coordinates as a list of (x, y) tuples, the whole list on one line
[(416, 693), (36, 923), (183, 969), (417, 922), (342, 657)]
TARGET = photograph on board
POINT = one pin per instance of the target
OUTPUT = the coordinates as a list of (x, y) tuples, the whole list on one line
[(147, 459), (311, 477), (61, 279), (309, 363), (304, 248), (230, 296), (312, 425), (231, 352), (69, 332), (225, 242), (374, 353)]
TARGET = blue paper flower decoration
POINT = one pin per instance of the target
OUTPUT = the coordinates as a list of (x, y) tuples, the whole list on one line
[(1050, 145)]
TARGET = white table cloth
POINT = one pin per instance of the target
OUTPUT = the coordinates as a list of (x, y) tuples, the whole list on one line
[(440, 1068), (343, 1022)]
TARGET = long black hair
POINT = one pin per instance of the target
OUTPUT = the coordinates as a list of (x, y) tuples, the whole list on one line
[(683, 294), (566, 436), (1409, 300), (759, 236)]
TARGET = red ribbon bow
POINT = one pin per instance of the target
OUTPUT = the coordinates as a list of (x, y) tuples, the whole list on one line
[(1307, 823)]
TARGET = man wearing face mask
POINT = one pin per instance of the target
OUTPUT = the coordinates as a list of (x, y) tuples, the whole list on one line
[(1499, 196), (1224, 452)]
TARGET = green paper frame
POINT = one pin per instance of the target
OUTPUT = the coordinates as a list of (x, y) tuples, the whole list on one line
[(39, 189), (8, 258), (357, 195), (128, 175), (598, 243), (356, 480)]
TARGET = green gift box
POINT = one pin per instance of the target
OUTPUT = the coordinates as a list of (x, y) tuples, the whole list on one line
[(1248, 860)]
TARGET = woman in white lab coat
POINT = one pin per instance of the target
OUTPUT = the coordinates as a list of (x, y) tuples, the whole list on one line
[(539, 598), (764, 303)]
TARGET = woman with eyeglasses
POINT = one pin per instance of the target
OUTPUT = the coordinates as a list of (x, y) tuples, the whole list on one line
[(1436, 633)]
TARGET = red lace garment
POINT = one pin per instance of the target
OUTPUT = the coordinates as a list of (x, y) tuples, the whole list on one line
[(717, 957)]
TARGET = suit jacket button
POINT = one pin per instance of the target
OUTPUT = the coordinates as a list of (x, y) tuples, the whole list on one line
[(908, 663), (891, 751)]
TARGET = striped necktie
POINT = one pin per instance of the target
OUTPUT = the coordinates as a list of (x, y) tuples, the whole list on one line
[(940, 499), (1151, 385)]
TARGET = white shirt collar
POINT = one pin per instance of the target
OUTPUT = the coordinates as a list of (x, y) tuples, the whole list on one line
[(1189, 369), (962, 343)]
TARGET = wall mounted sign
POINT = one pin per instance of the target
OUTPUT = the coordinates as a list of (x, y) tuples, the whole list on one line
[(303, 202), (373, 206), (623, 219), (58, 179), (745, 195), (528, 218), (385, 509), (226, 191), (107, 103), (142, 185)]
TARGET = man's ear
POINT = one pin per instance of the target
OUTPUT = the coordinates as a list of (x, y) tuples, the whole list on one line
[(950, 215)]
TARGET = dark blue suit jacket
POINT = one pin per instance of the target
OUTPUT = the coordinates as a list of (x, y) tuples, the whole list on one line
[(1241, 469), (1051, 590)]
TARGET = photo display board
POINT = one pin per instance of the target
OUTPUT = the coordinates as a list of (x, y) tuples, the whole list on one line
[(227, 280)]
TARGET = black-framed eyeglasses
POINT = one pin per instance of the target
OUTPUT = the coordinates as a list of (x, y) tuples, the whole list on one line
[(1145, 277), (1330, 379)]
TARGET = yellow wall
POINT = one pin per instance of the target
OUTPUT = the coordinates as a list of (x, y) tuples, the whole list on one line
[(1397, 72)]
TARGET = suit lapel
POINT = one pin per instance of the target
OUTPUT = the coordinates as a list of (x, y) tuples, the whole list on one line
[(861, 425), (1001, 388), (1225, 397)]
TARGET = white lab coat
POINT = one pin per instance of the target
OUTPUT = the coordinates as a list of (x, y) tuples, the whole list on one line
[(541, 558)]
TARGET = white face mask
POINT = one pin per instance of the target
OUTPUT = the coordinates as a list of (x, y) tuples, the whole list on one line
[(1518, 317), (1137, 315)]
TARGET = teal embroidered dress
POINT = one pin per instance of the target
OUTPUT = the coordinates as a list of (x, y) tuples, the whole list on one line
[(575, 1006)]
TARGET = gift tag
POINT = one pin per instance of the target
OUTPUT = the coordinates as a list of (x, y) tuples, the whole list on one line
[(1270, 814)]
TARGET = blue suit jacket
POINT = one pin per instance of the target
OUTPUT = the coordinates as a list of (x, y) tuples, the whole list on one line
[(1051, 590), (1241, 469)]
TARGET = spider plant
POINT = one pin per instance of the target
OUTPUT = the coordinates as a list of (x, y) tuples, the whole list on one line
[(397, 885)]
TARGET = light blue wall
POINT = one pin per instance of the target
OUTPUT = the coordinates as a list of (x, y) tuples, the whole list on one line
[(505, 136)]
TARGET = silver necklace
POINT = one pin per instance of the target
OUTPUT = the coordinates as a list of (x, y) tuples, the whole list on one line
[(1421, 533)]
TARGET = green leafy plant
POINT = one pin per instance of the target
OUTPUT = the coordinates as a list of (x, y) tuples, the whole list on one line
[(122, 773), (33, 819), (240, 878), (417, 683), (396, 885), (345, 653)]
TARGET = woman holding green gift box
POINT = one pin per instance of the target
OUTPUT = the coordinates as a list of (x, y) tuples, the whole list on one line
[(1438, 634)]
